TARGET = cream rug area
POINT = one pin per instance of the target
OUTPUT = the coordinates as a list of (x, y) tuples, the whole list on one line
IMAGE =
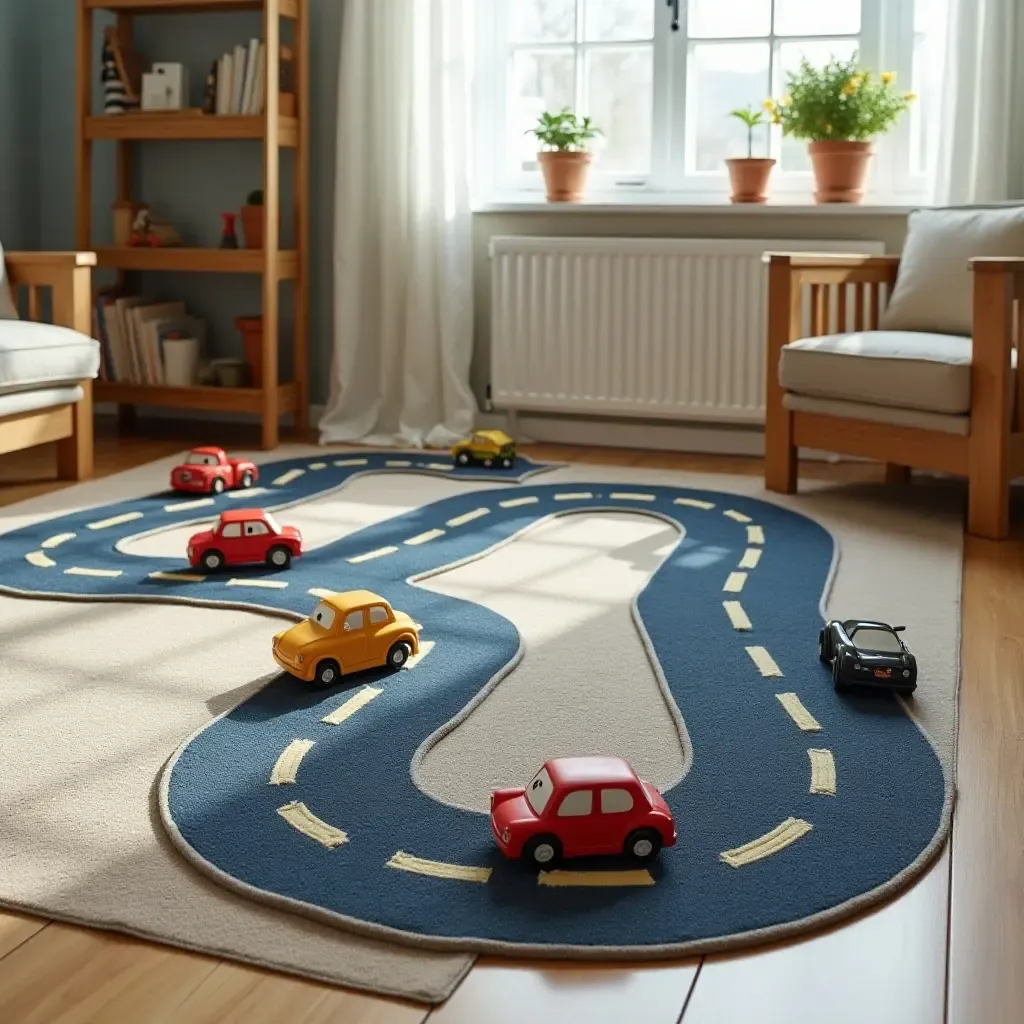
[(96, 696)]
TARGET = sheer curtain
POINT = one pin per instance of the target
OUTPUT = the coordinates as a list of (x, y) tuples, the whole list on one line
[(979, 143), (403, 324)]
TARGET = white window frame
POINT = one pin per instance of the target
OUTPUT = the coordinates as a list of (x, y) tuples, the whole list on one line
[(887, 41)]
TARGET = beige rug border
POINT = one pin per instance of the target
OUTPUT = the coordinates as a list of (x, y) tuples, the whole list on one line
[(736, 940)]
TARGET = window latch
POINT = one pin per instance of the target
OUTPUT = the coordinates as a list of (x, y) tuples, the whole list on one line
[(674, 5)]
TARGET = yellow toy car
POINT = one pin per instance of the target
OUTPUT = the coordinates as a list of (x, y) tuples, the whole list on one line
[(489, 447), (346, 633)]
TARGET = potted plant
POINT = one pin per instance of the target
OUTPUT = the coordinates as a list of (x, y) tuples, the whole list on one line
[(839, 110), (252, 220), (564, 158), (749, 175)]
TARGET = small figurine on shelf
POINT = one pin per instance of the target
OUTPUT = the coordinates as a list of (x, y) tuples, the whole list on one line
[(228, 238), (148, 232), (120, 74)]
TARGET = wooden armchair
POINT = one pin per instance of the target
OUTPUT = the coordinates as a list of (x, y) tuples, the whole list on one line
[(984, 443), (42, 410)]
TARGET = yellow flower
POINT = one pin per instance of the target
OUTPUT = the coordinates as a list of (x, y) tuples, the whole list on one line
[(787, 100), (769, 105), (776, 118), (851, 86), (888, 77), (910, 97)]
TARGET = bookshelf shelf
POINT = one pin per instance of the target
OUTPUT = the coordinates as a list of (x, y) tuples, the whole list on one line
[(142, 126), (195, 260), (205, 399), (277, 131), (288, 8)]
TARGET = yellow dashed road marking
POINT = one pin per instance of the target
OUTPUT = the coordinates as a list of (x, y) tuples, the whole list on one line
[(795, 709), (287, 478), (265, 584), (300, 817), (105, 573), (595, 878), (321, 592), (516, 502), (426, 646), (352, 705), (287, 765), (57, 540), (177, 577), (318, 465), (738, 516), (755, 535), (695, 503), (438, 869), (39, 560), (350, 462), (182, 506), (765, 663), (398, 462), (127, 517), (422, 538), (823, 772), (750, 558), (468, 517), (734, 584), (629, 496), (737, 616), (578, 496), (247, 492), (379, 553), (771, 842)]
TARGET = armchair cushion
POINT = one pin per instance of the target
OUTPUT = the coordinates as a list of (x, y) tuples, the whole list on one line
[(902, 369), (933, 290), (35, 355), (8, 310)]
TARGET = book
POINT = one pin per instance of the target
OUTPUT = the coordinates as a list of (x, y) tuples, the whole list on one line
[(237, 77), (249, 81), (224, 76), (122, 332), (145, 340), (260, 88)]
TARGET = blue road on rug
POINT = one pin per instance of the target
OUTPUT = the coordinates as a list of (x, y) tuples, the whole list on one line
[(813, 798)]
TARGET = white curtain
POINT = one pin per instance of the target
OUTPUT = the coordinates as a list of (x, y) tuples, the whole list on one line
[(978, 138), (403, 313)]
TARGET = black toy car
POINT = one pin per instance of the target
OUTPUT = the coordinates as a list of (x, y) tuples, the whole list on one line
[(867, 654)]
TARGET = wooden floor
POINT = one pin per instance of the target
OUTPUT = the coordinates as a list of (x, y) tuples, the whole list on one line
[(950, 948)]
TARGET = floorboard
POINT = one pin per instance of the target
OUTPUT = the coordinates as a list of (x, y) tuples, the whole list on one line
[(16, 929)]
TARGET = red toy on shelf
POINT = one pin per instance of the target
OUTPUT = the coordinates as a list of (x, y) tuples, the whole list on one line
[(243, 536), (210, 471), (578, 806)]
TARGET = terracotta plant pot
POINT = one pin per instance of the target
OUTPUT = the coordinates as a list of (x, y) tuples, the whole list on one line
[(840, 170), (252, 342), (252, 226), (749, 177), (565, 175)]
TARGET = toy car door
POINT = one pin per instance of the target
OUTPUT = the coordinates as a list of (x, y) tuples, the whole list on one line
[(579, 827), (232, 543), (617, 806), (353, 640), (255, 540)]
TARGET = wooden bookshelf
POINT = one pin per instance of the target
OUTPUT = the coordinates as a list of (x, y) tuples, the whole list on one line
[(276, 132)]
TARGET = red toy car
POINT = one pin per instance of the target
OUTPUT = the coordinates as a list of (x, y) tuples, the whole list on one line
[(578, 806), (243, 536), (210, 471)]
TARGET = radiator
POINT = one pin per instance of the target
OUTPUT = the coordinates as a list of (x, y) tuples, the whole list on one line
[(634, 327)]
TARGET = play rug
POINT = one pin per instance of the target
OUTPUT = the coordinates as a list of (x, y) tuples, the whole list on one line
[(666, 617)]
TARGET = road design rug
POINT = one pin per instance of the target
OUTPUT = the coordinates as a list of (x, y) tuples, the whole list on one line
[(364, 805)]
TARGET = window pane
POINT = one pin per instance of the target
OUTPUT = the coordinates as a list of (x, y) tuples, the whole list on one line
[(793, 156), (929, 49), (724, 76), (620, 98), (717, 19), (611, 20), (541, 21), (816, 17), (541, 81)]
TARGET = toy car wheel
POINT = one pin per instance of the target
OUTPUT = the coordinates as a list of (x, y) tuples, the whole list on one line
[(643, 845), (542, 851), (823, 654), (837, 680), (506, 462), (212, 560), (328, 672), (398, 655), (217, 486), (488, 463), (462, 458), (247, 478), (279, 557)]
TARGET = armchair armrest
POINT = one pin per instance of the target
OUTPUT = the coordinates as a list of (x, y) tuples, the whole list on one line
[(68, 274), (835, 268), (44, 268)]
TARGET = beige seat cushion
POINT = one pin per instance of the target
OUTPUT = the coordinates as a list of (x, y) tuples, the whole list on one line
[(929, 372), (879, 414), (934, 286)]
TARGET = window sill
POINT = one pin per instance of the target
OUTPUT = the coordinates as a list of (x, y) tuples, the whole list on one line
[(691, 205)]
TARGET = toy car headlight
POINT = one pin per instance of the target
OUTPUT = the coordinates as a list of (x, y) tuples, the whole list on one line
[(299, 659), (505, 835), (906, 673)]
